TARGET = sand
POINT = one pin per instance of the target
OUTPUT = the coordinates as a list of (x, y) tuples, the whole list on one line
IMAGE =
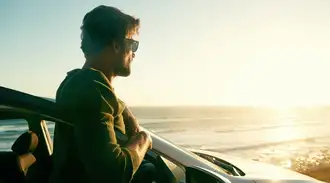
[(322, 174)]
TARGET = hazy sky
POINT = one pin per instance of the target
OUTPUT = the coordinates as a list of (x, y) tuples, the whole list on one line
[(216, 52)]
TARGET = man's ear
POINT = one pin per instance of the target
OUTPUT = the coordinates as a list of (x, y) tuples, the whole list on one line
[(116, 47)]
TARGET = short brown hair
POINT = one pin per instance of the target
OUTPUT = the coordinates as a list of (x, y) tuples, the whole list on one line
[(103, 25)]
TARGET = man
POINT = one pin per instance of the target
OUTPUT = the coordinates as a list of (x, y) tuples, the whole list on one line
[(89, 151)]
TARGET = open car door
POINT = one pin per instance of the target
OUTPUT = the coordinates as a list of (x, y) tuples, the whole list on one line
[(22, 163), (35, 110)]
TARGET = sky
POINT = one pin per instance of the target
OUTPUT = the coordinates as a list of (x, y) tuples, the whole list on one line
[(212, 52)]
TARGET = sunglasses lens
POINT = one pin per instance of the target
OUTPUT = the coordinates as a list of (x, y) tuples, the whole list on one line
[(135, 46)]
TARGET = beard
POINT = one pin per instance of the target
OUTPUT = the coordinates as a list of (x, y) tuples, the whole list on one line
[(124, 72), (124, 69), (124, 64)]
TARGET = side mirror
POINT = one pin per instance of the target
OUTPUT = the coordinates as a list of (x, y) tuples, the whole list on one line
[(201, 175)]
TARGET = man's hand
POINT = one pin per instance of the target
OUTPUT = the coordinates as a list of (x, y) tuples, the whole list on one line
[(131, 124), (140, 143), (140, 139)]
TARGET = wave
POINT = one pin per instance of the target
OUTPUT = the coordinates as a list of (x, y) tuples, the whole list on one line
[(163, 131), (156, 121), (266, 127), (11, 132), (263, 145)]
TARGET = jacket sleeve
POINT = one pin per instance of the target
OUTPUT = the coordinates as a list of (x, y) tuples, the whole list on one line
[(103, 158)]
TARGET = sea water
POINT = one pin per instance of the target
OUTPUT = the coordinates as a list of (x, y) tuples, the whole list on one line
[(296, 138)]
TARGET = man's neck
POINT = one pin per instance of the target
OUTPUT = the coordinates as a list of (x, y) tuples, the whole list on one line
[(91, 65)]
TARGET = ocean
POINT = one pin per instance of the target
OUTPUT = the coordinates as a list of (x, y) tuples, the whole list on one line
[(296, 138)]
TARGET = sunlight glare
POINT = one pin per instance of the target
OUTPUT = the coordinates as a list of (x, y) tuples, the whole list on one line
[(286, 123)]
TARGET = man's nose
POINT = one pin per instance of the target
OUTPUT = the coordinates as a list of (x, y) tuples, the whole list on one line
[(133, 55)]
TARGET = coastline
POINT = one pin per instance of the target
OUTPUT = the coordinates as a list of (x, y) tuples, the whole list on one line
[(321, 173)]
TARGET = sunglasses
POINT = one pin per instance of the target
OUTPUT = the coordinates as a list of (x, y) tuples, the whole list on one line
[(133, 44)]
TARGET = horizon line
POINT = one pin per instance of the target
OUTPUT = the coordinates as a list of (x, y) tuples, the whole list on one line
[(225, 105)]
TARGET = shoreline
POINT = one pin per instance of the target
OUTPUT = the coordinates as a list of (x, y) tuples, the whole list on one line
[(322, 174)]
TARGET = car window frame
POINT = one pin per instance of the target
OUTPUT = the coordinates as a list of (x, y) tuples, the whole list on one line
[(34, 122)]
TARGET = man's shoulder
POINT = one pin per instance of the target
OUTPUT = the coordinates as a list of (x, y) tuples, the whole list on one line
[(87, 84), (84, 76), (86, 79), (87, 88)]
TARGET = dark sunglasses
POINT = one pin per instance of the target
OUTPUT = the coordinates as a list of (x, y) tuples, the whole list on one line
[(133, 44)]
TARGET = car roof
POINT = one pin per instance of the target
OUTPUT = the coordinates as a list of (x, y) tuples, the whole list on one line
[(18, 99)]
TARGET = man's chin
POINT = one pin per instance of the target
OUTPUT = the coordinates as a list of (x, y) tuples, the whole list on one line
[(124, 73)]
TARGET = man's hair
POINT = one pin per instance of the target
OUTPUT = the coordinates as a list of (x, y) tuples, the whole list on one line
[(103, 25)]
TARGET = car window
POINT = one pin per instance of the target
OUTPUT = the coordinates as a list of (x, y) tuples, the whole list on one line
[(50, 126), (10, 130)]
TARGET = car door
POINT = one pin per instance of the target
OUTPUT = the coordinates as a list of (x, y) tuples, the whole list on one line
[(23, 112)]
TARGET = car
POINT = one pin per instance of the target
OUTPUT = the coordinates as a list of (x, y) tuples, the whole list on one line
[(30, 155)]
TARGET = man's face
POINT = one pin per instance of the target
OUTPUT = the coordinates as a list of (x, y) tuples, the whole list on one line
[(125, 56)]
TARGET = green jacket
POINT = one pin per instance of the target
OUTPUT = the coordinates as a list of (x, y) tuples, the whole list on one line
[(89, 151)]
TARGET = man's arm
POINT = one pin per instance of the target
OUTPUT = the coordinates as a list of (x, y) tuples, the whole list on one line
[(104, 159), (131, 123)]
